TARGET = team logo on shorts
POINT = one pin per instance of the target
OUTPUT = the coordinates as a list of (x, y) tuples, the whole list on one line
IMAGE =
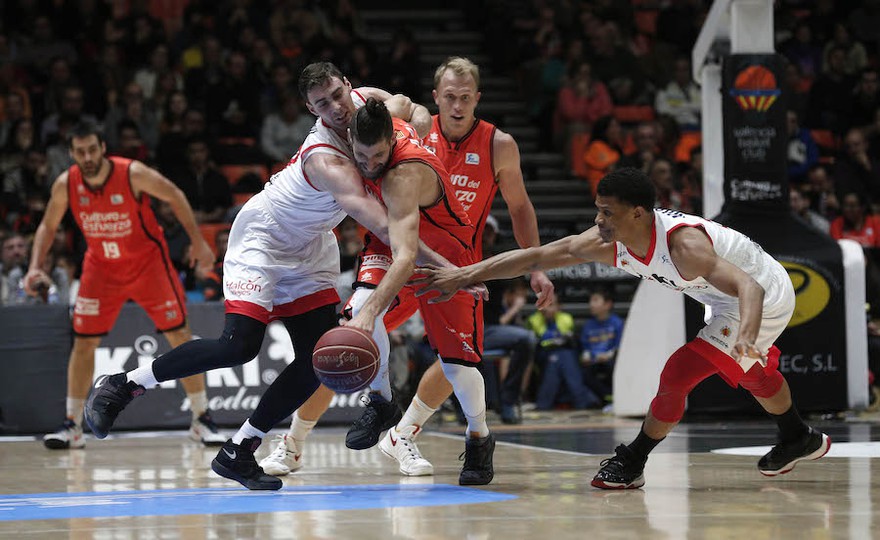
[(725, 331), (87, 306), (472, 159)]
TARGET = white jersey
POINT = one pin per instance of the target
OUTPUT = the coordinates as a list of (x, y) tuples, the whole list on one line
[(283, 259), (732, 246)]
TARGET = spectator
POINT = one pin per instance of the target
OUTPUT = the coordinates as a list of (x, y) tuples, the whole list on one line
[(831, 95), (799, 89), (134, 109), (147, 78), (21, 139), (284, 132), (645, 139), (603, 151), (207, 72), (24, 187), (171, 153), (131, 145), (13, 267), (669, 195), (856, 170), (799, 198), (802, 51), (681, 98), (281, 86), (581, 102), (692, 179), (210, 281), (617, 67), (173, 114), (72, 103), (866, 98), (12, 111), (855, 56), (802, 150), (403, 61), (233, 105), (822, 195), (206, 189), (855, 223), (44, 46), (557, 353), (178, 243), (600, 339)]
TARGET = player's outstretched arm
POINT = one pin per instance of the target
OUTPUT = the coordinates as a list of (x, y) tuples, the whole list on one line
[(148, 180), (693, 255), (585, 247), (508, 172), (45, 235)]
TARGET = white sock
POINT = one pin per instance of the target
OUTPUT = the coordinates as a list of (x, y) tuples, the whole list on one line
[(300, 429), (382, 382), (247, 431), (467, 382), (143, 376), (416, 415), (75, 409), (198, 403)]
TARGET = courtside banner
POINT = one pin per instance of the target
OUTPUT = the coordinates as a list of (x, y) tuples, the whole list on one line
[(755, 137), (34, 373)]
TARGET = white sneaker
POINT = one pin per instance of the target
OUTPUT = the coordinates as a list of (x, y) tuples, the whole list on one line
[(204, 430), (400, 445), (284, 459), (69, 435)]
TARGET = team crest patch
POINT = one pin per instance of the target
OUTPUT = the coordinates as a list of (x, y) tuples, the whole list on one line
[(399, 134), (472, 159), (433, 137), (725, 331), (116, 198), (84, 201)]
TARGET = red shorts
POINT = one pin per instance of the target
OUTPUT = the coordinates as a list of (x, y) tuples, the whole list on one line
[(104, 287), (454, 328)]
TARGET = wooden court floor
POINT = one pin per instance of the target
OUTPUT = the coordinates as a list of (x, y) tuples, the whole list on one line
[(159, 485)]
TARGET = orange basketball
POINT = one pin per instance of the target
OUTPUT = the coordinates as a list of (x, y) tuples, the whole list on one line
[(346, 359)]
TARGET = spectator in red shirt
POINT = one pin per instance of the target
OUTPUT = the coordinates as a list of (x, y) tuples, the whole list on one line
[(855, 223), (581, 101)]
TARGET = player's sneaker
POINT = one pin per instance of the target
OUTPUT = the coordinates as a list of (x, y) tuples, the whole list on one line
[(284, 459), (477, 469), (109, 396), (624, 470), (236, 462), (785, 455), (400, 445), (204, 430), (69, 435), (379, 415)]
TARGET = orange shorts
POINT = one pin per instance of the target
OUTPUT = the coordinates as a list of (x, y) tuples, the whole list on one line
[(454, 328), (105, 287)]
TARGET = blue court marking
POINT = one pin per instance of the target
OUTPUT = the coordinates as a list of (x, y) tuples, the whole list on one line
[(175, 502)]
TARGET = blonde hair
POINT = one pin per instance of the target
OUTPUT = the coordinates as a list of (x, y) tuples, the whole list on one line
[(460, 66)]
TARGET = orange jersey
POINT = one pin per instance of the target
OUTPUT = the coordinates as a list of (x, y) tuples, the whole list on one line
[(118, 227), (444, 226), (471, 170)]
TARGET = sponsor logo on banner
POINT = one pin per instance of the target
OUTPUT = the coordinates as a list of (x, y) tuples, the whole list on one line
[(749, 190), (755, 89), (472, 159), (812, 290)]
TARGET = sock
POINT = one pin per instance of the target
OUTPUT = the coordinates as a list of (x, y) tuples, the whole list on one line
[(643, 444), (143, 376), (75, 409), (198, 404), (382, 382), (247, 431), (791, 426), (300, 429), (416, 414), (469, 388)]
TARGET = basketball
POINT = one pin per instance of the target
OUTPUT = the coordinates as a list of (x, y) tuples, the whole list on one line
[(346, 359)]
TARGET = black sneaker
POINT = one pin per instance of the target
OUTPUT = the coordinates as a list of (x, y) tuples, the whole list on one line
[(236, 462), (379, 415), (622, 471), (510, 414), (109, 396), (477, 469), (785, 455)]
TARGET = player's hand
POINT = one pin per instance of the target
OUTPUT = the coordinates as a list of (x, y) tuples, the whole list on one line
[(34, 279), (477, 290), (446, 281), (743, 348), (543, 288), (201, 254), (362, 322)]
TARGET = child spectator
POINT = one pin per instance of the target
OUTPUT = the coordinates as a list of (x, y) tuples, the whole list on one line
[(600, 339)]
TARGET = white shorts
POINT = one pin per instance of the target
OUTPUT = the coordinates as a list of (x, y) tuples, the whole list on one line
[(722, 328), (270, 272)]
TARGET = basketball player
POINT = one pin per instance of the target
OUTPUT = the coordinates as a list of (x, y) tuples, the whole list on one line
[(749, 293), (415, 188), (282, 263), (481, 159), (126, 258)]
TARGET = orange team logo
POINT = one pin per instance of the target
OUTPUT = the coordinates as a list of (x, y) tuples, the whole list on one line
[(725, 331), (755, 89)]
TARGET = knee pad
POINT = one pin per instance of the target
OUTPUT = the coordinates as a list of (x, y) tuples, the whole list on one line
[(760, 383)]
